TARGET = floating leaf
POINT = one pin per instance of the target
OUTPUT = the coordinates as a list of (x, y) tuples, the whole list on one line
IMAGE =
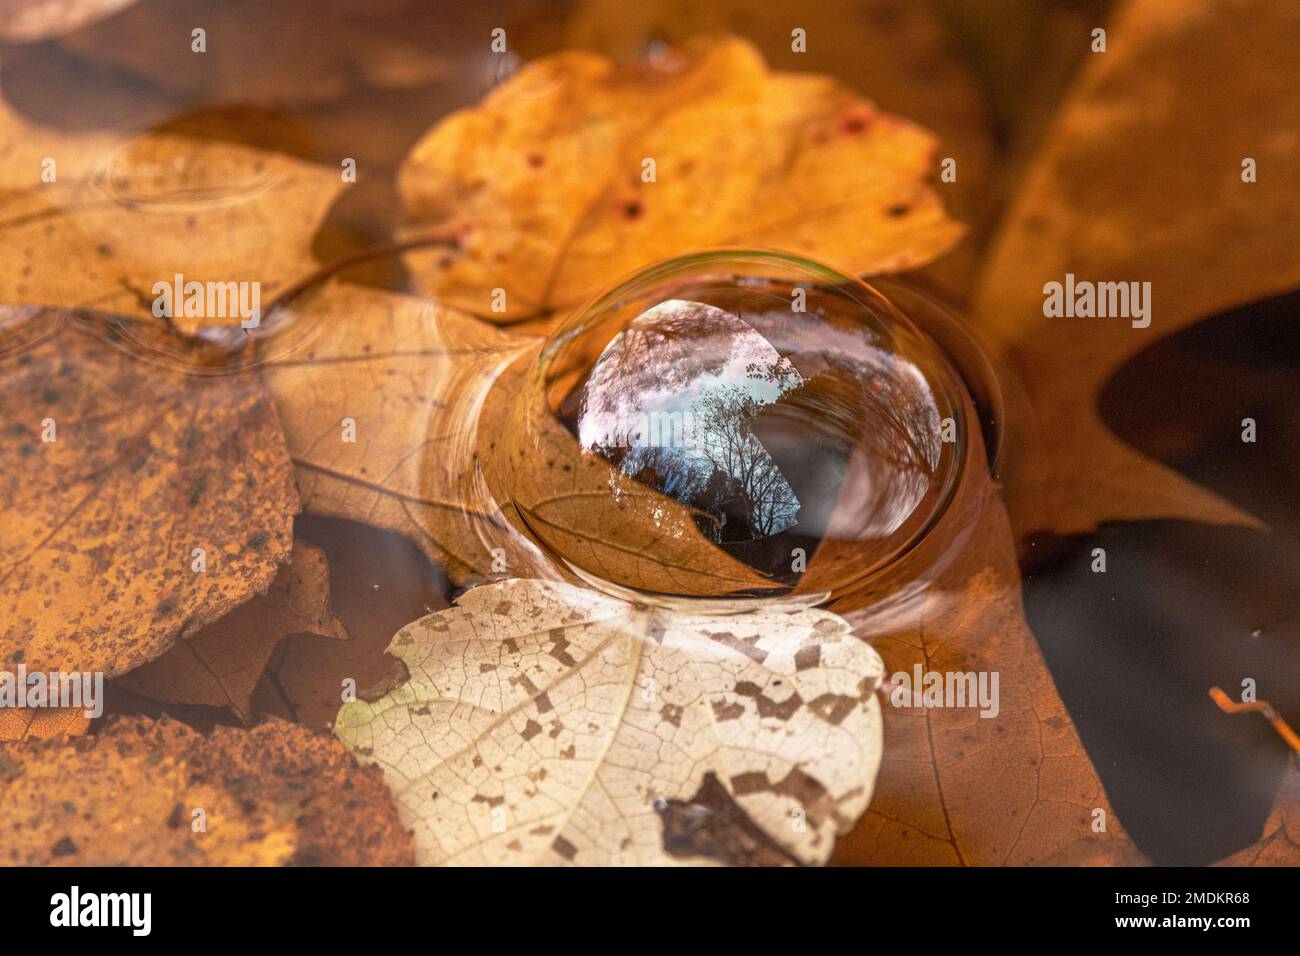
[(135, 212), (893, 51), (549, 723), (433, 424), (549, 179), (380, 405)]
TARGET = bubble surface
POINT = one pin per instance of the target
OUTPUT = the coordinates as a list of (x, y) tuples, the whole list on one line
[(735, 424)]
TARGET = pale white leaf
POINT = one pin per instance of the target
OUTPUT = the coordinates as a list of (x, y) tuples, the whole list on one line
[(548, 723)]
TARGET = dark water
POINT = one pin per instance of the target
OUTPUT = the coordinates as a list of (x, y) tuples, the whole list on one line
[(1185, 606)]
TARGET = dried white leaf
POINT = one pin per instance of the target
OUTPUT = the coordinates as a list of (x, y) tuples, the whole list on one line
[(547, 723)]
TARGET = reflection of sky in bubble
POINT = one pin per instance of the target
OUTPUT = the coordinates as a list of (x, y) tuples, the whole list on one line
[(673, 397)]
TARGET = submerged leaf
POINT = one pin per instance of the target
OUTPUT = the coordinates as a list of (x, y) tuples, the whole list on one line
[(1279, 844), (1141, 180), (221, 665), (20, 723), (990, 772), (131, 795), (378, 583), (291, 51), (28, 20)]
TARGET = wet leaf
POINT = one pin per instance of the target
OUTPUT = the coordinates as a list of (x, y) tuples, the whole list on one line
[(411, 378), (546, 179), (378, 582), (548, 723), (29, 20), (895, 52), (133, 473), (271, 796), (220, 665), (430, 392), (20, 723), (1015, 787), (505, 728), (133, 212), (1140, 179), (1279, 844)]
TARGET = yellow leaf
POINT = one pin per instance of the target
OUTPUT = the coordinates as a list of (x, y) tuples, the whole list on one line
[(156, 793), (19, 723), (134, 212), (576, 172)]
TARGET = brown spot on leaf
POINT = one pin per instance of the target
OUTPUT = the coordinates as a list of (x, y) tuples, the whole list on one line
[(807, 657), (711, 824)]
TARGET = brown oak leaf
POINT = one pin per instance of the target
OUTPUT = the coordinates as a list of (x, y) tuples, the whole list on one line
[(1015, 787), (1140, 179), (1279, 844)]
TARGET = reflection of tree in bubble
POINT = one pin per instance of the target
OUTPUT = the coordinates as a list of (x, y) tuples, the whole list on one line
[(745, 487), (673, 401)]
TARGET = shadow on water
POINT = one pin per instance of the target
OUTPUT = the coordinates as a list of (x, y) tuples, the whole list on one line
[(1183, 606)]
